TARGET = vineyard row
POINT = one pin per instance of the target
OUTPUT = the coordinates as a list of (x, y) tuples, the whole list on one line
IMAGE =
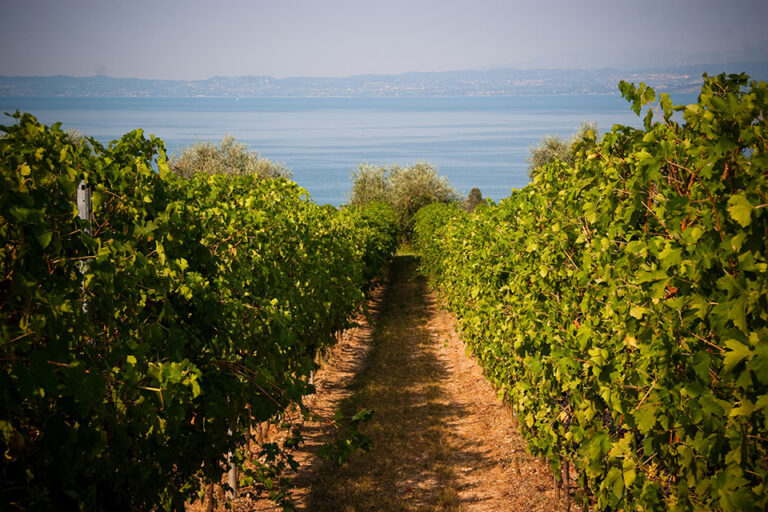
[(621, 304), (140, 345)]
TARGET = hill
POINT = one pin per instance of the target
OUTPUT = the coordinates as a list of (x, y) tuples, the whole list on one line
[(496, 82)]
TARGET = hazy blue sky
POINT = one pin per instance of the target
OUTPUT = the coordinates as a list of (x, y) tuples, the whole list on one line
[(196, 39)]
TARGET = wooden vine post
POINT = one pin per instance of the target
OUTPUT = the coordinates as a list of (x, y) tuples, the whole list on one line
[(84, 213), (84, 203), (232, 479)]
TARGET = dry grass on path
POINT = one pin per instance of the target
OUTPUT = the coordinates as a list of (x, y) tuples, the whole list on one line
[(441, 441), (410, 464)]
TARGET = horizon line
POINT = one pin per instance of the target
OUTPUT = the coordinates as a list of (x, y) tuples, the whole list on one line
[(363, 75)]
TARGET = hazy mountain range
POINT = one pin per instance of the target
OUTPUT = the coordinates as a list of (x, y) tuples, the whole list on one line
[(497, 82)]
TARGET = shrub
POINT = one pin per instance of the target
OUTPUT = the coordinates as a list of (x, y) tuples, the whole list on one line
[(230, 157), (405, 189), (552, 148), (370, 185), (474, 199)]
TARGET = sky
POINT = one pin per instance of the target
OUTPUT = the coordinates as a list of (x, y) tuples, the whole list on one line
[(199, 39)]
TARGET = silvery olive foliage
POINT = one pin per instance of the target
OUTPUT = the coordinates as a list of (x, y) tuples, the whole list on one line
[(229, 157), (405, 189)]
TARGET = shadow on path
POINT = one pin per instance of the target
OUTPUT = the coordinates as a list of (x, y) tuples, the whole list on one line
[(415, 456)]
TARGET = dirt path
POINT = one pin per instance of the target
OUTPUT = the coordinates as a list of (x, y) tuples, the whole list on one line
[(441, 439)]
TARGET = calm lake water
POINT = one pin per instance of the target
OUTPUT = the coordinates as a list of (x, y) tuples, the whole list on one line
[(476, 142)]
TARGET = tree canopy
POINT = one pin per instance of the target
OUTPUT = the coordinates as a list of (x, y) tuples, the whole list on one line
[(229, 157), (406, 189), (553, 147)]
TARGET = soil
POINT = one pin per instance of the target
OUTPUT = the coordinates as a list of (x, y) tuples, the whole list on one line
[(441, 439)]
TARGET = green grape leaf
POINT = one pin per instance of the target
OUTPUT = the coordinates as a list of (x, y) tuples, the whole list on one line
[(740, 209), (736, 353)]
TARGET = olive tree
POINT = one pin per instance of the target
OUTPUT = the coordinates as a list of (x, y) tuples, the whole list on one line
[(552, 148), (370, 185), (405, 189), (229, 157)]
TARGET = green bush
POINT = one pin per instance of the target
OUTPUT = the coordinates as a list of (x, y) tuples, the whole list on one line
[(376, 224), (428, 223)]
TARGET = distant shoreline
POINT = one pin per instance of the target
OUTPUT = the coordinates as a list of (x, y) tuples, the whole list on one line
[(495, 83), (329, 97)]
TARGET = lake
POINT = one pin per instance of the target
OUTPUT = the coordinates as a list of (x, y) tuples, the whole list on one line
[(474, 141)]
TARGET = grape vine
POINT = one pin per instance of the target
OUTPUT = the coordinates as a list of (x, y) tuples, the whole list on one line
[(207, 301), (621, 304)]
